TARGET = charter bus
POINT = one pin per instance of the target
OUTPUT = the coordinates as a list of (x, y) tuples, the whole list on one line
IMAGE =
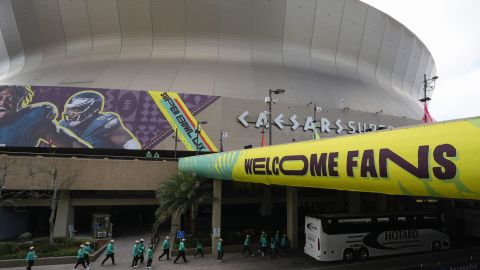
[(348, 237)]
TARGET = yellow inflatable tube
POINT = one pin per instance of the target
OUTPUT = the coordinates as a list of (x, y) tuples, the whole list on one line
[(436, 160)]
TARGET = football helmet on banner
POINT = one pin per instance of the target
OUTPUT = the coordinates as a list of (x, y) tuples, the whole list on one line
[(82, 106)]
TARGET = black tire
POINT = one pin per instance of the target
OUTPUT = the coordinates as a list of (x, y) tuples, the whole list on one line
[(363, 254), (348, 256), (436, 246)]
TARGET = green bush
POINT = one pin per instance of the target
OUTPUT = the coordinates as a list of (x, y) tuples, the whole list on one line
[(62, 247)]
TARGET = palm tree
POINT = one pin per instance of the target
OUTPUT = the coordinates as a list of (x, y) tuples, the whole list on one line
[(180, 193)]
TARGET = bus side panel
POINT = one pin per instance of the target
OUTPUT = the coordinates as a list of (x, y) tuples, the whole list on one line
[(313, 230), (402, 241)]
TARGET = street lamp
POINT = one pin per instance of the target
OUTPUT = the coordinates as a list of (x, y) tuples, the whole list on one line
[(270, 101), (315, 110), (197, 130), (428, 85)]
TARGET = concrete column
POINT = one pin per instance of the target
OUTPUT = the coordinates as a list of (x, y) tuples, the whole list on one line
[(354, 202), (175, 225), (292, 216), (266, 208), (216, 212), (65, 216)]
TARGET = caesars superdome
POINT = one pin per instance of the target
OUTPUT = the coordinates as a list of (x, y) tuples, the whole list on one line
[(218, 60)]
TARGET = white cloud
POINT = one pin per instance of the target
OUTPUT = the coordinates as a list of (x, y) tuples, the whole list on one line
[(450, 30)]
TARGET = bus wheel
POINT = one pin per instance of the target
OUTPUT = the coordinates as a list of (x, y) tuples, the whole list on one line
[(348, 255), (436, 246), (363, 254)]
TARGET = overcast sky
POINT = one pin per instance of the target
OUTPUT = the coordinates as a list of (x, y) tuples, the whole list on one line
[(451, 31)]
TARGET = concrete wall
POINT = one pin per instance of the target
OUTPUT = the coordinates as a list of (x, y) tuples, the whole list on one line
[(87, 174)]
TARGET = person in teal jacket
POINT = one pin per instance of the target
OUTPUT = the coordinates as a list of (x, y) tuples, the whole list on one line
[(149, 256), (246, 246), (220, 250), (181, 251), (264, 244), (141, 249), (166, 248), (88, 250), (136, 253), (199, 249), (273, 248), (81, 258), (110, 252), (31, 257), (277, 242), (283, 245)]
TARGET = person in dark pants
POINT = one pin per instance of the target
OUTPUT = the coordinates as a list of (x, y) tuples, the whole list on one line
[(264, 244), (81, 258), (199, 249), (136, 253), (283, 245), (181, 251), (88, 250), (166, 248), (110, 253), (149, 256), (220, 250), (246, 246), (141, 250), (31, 257)]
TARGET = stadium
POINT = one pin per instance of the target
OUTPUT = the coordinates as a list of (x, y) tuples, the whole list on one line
[(110, 83)]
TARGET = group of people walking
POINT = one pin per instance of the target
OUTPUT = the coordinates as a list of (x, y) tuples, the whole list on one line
[(138, 254), (277, 246), (182, 249), (83, 256)]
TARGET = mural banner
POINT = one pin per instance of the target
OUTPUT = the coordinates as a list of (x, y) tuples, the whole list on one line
[(180, 118), (437, 160), (72, 117)]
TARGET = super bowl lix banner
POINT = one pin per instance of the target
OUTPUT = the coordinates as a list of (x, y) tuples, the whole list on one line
[(70, 117)]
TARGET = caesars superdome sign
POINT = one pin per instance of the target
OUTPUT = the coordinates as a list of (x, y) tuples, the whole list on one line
[(326, 125)]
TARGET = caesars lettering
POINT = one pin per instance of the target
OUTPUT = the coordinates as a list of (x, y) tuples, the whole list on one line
[(326, 164)]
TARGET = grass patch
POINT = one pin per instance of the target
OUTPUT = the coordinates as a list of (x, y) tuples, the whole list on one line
[(62, 247)]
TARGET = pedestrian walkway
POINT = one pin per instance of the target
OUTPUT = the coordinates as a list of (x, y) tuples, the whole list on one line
[(123, 260)]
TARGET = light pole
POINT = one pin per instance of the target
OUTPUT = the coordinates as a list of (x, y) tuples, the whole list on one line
[(428, 85), (270, 101), (176, 143), (315, 110), (197, 130)]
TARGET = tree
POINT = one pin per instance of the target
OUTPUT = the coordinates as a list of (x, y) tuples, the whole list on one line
[(56, 188), (48, 171), (180, 193)]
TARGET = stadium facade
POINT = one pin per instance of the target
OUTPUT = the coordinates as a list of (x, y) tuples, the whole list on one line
[(151, 70)]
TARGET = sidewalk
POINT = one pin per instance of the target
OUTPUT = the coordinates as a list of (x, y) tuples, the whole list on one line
[(232, 260)]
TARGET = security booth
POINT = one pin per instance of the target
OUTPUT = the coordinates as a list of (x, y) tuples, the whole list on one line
[(101, 226)]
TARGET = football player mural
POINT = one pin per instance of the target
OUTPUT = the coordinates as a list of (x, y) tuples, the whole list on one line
[(26, 124), (99, 118), (83, 114)]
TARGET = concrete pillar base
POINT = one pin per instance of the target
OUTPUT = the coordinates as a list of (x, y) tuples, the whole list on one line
[(216, 213), (292, 216), (65, 216)]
